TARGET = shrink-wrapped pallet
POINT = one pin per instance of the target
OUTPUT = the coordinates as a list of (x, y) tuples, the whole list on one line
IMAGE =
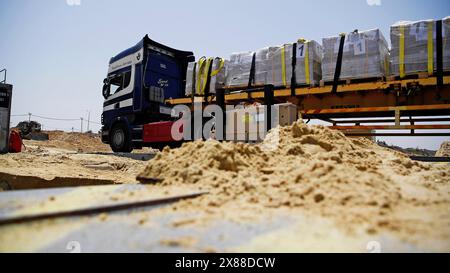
[(206, 70), (414, 47), (238, 69), (217, 77), (446, 43), (308, 68), (365, 55), (190, 79), (273, 65)]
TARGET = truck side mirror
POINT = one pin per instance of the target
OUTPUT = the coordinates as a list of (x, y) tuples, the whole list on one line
[(105, 91)]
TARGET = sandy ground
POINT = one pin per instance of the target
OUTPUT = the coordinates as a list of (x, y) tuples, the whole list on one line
[(337, 192), (71, 155), (358, 185), (80, 142)]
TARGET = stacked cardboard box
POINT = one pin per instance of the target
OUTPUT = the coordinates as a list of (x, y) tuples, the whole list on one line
[(213, 70), (414, 47), (238, 69), (308, 69), (410, 45), (365, 55), (446, 43), (191, 73), (273, 65), (217, 77)]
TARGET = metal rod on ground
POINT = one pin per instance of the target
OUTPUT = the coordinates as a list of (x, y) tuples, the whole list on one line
[(96, 209), (81, 128)]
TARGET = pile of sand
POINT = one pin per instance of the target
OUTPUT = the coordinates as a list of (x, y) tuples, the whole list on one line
[(444, 150), (82, 142), (316, 170)]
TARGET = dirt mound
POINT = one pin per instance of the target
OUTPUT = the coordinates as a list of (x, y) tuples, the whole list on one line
[(313, 169), (444, 150), (38, 163), (83, 142), (408, 151)]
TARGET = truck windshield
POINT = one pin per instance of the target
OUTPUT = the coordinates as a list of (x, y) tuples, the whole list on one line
[(116, 83), (119, 82)]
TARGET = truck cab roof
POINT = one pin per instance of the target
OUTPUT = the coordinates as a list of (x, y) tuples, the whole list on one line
[(146, 42)]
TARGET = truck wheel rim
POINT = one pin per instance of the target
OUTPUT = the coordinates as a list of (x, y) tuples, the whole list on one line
[(118, 138)]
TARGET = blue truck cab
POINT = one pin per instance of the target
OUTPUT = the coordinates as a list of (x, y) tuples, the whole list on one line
[(138, 82)]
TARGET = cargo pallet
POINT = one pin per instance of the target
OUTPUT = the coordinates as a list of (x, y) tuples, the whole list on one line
[(389, 104)]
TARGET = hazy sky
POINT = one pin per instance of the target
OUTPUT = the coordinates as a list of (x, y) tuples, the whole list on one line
[(57, 54)]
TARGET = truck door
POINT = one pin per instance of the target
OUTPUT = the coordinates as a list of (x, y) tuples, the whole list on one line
[(164, 74)]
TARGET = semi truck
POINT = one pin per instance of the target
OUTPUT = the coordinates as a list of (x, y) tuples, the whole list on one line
[(139, 81), (146, 81)]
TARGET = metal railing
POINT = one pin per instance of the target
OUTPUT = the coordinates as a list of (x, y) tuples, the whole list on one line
[(4, 77)]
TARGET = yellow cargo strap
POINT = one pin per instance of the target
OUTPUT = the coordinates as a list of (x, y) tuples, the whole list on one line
[(306, 56), (199, 65), (430, 48), (308, 81), (246, 118), (202, 75), (215, 72), (283, 65), (402, 52)]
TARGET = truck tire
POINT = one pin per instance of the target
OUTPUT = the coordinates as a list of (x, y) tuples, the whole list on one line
[(119, 139)]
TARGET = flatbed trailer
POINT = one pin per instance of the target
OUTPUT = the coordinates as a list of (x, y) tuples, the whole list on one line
[(359, 109)]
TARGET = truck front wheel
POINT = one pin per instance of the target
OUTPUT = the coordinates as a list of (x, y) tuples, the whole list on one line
[(120, 140)]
